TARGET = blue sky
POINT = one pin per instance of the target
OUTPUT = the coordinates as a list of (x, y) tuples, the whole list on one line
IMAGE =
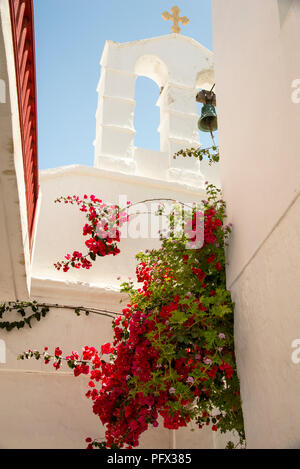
[(70, 36)]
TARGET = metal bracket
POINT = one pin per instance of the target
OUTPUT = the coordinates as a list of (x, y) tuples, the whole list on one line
[(206, 97)]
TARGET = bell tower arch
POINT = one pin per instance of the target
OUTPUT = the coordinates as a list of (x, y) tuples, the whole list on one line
[(178, 65)]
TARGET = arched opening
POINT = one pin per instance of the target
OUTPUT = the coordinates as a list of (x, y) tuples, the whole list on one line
[(152, 67), (152, 75), (147, 114)]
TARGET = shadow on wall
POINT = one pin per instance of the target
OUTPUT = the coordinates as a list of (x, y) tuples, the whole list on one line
[(295, 445), (2, 92), (284, 7)]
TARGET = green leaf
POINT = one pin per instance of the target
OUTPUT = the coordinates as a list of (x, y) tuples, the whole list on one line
[(37, 316), (178, 317)]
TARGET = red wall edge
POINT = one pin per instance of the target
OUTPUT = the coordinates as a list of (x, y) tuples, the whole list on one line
[(22, 22)]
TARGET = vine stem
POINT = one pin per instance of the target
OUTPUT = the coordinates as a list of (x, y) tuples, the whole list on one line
[(157, 200), (101, 312)]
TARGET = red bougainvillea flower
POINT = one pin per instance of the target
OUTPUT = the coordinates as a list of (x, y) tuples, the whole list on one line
[(58, 352), (106, 349), (200, 274)]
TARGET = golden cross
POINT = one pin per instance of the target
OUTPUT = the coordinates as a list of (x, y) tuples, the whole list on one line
[(176, 18)]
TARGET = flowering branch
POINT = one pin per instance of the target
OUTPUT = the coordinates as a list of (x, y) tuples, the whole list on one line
[(211, 153)]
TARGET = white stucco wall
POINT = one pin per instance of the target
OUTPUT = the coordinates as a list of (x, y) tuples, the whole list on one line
[(59, 229), (257, 61), (267, 322)]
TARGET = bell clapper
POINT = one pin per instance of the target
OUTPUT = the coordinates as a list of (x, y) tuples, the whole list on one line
[(212, 137)]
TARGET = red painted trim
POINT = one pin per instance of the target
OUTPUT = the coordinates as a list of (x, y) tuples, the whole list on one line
[(22, 22)]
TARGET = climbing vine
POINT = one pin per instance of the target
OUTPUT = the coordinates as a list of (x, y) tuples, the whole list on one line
[(28, 310), (40, 310)]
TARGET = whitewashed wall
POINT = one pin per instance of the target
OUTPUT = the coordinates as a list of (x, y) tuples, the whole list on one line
[(257, 61)]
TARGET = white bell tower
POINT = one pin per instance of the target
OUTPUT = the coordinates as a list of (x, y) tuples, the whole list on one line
[(179, 65)]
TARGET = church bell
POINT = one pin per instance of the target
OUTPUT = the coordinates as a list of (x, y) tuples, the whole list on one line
[(208, 121)]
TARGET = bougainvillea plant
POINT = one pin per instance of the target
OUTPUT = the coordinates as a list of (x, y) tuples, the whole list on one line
[(172, 354), (102, 229)]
